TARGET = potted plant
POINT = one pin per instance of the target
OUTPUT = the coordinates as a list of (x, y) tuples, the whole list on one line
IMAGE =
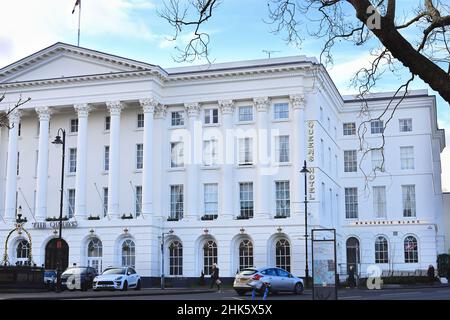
[(93, 217), (124, 216)]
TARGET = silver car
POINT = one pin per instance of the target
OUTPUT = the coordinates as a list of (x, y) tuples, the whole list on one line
[(278, 279)]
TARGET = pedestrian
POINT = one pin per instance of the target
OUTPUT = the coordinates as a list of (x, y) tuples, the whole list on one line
[(351, 278), (215, 277), (430, 273)]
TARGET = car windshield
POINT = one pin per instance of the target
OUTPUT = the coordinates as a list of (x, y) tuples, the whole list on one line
[(115, 271), (49, 273), (75, 271), (248, 272)]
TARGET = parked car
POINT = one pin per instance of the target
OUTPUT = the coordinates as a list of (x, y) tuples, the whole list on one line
[(120, 278), (278, 279), (50, 279), (78, 278)]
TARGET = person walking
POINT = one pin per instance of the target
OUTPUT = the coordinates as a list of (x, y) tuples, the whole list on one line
[(431, 275), (351, 277), (215, 277)]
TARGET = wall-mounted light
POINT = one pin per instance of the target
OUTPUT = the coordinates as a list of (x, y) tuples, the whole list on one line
[(206, 231), (279, 229), (242, 230), (125, 230)]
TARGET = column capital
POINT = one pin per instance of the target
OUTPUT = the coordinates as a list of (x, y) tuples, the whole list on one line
[(115, 107), (262, 104), (226, 106), (14, 116), (298, 101), (192, 109), (149, 104), (44, 113), (160, 111), (82, 109)]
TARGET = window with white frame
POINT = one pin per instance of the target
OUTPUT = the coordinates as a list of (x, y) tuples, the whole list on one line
[(379, 201), (71, 203), (176, 154), (407, 158), (246, 199), (405, 125), (377, 160), (74, 125), (210, 152), (211, 116), (106, 158), (22, 252), (282, 199), (409, 200), (281, 111), (177, 118), (176, 202), (350, 161), (211, 198), (107, 123), (209, 256), (176, 258), (381, 250), (351, 203), (282, 148), (140, 120), (410, 249), (73, 160), (246, 113), (376, 126), (138, 201), (245, 151), (245, 254), (349, 129), (128, 253), (139, 156), (105, 202), (283, 255)]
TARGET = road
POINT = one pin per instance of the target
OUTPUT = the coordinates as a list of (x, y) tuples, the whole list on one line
[(441, 293)]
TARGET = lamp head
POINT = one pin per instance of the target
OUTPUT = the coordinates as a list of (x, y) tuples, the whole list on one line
[(57, 140)]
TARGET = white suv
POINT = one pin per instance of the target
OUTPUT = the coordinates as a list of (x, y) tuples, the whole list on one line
[(120, 278)]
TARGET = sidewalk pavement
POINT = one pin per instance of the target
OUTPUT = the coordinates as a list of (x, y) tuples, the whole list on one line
[(50, 295)]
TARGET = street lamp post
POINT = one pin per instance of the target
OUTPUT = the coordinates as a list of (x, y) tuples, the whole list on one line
[(59, 141), (305, 171), (163, 235)]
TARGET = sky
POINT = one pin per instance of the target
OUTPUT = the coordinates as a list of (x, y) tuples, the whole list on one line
[(133, 29)]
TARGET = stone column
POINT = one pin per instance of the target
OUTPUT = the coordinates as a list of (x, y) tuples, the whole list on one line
[(148, 105), (263, 193), (161, 163), (115, 109), (297, 142), (227, 178), (192, 186), (80, 182), (44, 114), (11, 170)]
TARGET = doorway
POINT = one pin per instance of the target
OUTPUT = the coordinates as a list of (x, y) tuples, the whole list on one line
[(51, 254)]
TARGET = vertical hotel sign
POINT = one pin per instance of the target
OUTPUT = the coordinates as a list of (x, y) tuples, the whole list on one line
[(311, 157)]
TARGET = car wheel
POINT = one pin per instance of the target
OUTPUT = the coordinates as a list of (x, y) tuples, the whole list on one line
[(298, 288), (125, 286), (240, 292), (138, 286)]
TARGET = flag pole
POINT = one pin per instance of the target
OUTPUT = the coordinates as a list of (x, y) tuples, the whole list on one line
[(79, 22)]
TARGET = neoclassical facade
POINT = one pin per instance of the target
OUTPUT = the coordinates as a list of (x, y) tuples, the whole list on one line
[(208, 159)]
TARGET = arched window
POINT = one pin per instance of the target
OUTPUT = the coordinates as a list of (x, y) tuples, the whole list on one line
[(381, 250), (175, 258), (94, 254), (22, 252), (245, 254), (283, 255), (128, 253), (410, 247), (209, 256)]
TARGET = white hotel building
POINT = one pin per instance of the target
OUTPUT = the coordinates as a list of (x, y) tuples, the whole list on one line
[(212, 154)]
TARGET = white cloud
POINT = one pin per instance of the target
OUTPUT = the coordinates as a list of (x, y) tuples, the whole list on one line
[(28, 26)]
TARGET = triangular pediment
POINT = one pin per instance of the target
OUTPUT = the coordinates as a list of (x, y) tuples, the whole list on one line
[(63, 60)]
